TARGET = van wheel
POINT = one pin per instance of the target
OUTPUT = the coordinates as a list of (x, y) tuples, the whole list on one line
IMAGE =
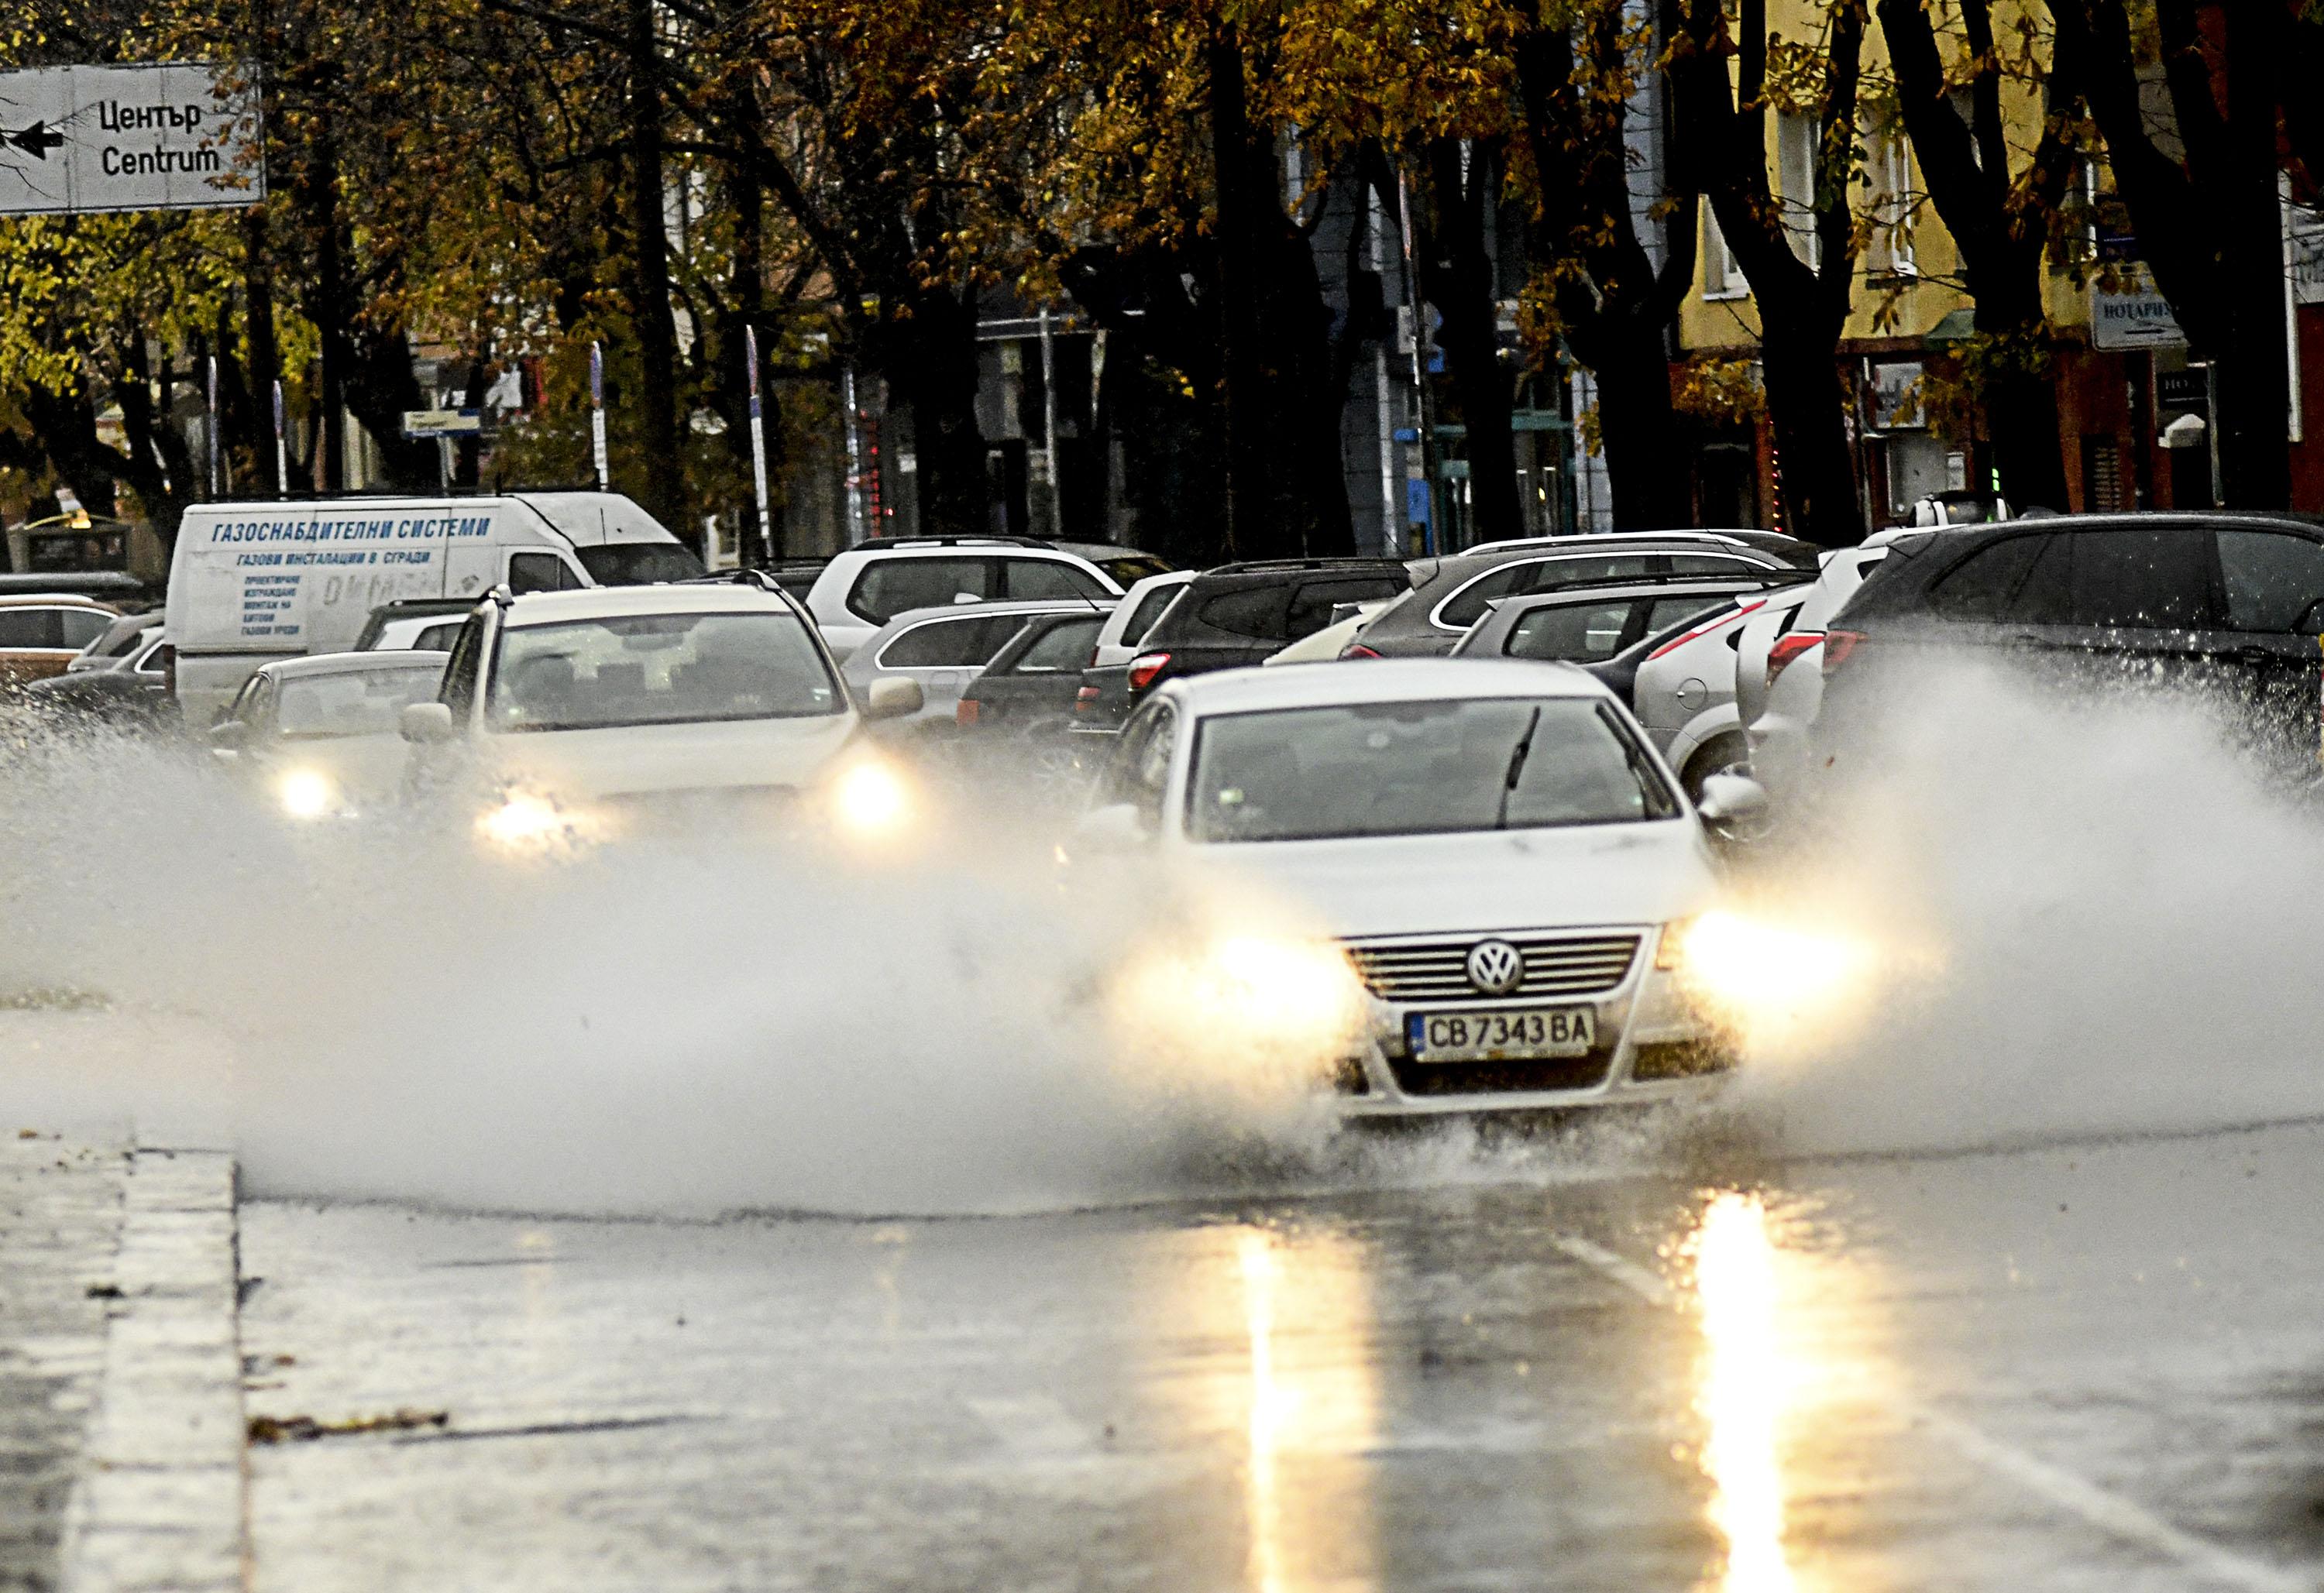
[(1715, 755)]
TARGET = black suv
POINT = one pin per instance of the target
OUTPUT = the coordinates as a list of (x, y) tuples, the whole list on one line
[(2228, 604), (1235, 614)]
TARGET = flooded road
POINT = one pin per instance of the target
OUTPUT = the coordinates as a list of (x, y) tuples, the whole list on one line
[(2090, 1365)]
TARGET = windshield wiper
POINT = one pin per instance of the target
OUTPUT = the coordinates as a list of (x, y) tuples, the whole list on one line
[(1518, 756)]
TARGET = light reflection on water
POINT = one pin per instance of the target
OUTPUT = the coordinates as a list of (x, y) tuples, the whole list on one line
[(1747, 1380)]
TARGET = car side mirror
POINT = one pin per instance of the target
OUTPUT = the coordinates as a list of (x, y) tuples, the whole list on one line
[(1116, 827), (894, 696), (229, 735), (425, 723), (1732, 798)]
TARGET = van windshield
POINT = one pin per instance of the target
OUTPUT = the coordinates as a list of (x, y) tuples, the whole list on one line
[(639, 564), (683, 669)]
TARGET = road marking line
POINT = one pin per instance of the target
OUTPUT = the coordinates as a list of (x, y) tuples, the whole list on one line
[(2109, 1513)]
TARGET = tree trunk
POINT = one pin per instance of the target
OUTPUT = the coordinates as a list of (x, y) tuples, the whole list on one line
[(258, 332), (1638, 432), (2255, 381), (1805, 403), (663, 486), (929, 359), (1457, 277), (330, 308)]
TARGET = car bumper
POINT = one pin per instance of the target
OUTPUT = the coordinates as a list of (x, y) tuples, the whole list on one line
[(1652, 1046)]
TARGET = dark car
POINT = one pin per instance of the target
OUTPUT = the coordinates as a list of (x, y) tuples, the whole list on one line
[(1451, 594), (1233, 615), (132, 690), (1125, 565), (2229, 606), (1027, 688), (1593, 624)]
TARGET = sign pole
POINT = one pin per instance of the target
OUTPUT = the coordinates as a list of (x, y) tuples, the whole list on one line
[(597, 412), (759, 448), (211, 427), (282, 453)]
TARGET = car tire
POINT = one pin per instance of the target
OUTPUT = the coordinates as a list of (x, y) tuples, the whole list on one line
[(1722, 752)]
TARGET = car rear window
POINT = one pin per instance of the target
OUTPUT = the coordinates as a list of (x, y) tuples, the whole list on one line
[(1312, 602), (638, 564), (1261, 614), (1031, 578), (2275, 581), (1148, 610), (32, 628), (1064, 646), (1573, 633), (1522, 575), (951, 644), (1984, 585), (892, 587)]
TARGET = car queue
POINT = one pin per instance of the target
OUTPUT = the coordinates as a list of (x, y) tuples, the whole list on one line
[(1503, 802)]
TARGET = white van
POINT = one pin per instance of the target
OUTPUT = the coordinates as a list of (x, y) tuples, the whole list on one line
[(252, 582)]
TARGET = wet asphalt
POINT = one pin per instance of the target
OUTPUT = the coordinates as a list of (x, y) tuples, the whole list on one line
[(2087, 1364)]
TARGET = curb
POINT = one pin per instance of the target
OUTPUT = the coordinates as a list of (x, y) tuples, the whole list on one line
[(159, 1501)]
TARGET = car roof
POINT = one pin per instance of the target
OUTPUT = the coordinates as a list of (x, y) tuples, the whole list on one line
[(596, 603), (399, 607), (1382, 680), (375, 662), (1002, 607), (47, 600), (1583, 591)]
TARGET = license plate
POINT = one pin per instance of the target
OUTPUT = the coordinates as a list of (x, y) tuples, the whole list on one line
[(1518, 1034)]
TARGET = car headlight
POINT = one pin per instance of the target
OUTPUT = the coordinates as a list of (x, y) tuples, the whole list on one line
[(871, 800), (308, 794), (1753, 971), (1276, 994), (524, 822)]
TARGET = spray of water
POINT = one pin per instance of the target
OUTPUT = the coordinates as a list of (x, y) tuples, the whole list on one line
[(2085, 919)]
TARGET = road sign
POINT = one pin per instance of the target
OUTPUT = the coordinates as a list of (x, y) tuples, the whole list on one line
[(155, 136), (420, 423), (2140, 318)]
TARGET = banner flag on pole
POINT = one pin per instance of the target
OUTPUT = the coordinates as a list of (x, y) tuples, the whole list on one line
[(758, 444), (281, 455), (598, 414), (211, 427)]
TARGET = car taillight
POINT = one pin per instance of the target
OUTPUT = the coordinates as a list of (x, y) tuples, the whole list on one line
[(1356, 649), (1788, 647), (1838, 647), (1144, 668), (1086, 699), (966, 711)]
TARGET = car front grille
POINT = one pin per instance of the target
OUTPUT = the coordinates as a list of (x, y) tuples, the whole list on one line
[(1438, 971), (1500, 1078)]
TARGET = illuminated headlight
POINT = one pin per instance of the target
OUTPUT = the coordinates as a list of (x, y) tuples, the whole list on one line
[(524, 822), (308, 794), (1276, 994), (871, 798), (1753, 971)]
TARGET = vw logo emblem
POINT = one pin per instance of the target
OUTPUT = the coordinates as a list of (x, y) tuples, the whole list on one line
[(1495, 967)]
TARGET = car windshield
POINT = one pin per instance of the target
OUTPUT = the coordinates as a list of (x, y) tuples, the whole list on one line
[(1410, 768), (681, 668), (638, 564), (354, 702)]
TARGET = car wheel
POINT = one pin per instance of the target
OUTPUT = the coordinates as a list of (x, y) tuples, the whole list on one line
[(1715, 755)]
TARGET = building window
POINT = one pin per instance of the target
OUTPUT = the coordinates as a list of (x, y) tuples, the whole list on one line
[(1721, 276), (1888, 171), (1795, 157)]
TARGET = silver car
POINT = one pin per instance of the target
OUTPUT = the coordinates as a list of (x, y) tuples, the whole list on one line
[(945, 649)]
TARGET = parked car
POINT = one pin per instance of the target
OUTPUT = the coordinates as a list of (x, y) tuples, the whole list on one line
[(1027, 691), (426, 624), (1682, 689), (2226, 606), (1791, 549), (579, 716), (132, 690), (944, 648), (1325, 646), (321, 735), (116, 643), (42, 632), (1591, 623), (861, 590), (1959, 507), (1451, 594), (1502, 863), (1142, 605), (1235, 614), (1779, 667)]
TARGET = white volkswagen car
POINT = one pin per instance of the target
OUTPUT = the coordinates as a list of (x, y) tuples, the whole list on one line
[(1501, 869), (606, 712)]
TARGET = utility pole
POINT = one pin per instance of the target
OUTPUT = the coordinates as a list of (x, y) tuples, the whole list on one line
[(1056, 515), (759, 449), (1426, 419)]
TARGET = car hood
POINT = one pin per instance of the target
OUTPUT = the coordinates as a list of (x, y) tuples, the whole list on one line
[(1480, 880), (578, 765)]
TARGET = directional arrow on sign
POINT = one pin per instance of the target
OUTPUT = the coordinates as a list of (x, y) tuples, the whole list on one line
[(35, 141)]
